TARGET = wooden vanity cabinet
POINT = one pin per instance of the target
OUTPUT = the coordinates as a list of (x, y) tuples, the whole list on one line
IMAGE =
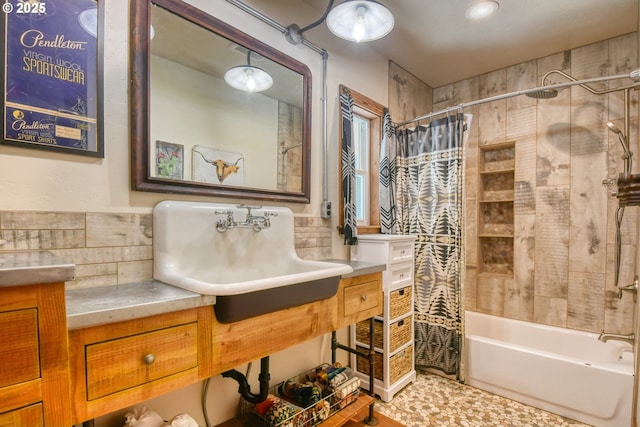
[(359, 298), (34, 376), (122, 364)]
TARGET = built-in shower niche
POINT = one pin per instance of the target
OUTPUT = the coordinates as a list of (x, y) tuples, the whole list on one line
[(495, 208)]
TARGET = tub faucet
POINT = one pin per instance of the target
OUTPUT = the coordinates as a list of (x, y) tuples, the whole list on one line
[(630, 338)]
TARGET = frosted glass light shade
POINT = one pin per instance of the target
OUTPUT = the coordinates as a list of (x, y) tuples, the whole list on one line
[(482, 9), (248, 78), (360, 20)]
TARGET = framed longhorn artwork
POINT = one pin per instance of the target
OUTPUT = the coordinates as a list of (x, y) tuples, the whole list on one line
[(214, 166)]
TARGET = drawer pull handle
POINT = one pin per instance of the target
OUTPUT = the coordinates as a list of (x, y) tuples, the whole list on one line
[(149, 359), (402, 275), (401, 292), (401, 323), (364, 298)]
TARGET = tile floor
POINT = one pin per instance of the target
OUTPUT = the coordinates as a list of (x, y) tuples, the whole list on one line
[(436, 401)]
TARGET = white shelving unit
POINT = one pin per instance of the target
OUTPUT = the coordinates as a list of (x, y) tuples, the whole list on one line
[(394, 330)]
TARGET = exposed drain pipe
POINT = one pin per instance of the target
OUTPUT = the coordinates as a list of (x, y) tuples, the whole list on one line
[(243, 385), (326, 204)]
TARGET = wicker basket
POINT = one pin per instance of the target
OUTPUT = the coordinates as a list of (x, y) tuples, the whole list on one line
[(295, 416), (362, 333), (399, 302), (399, 364), (399, 333)]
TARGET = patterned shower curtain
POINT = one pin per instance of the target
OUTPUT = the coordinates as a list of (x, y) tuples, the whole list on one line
[(348, 158), (429, 205)]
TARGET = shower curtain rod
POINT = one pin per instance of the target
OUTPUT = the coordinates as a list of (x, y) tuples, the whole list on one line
[(634, 75)]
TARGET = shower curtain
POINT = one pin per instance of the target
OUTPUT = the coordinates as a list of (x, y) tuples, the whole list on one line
[(348, 159), (429, 205)]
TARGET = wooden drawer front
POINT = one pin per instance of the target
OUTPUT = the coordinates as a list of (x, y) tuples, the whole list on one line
[(28, 416), (361, 297), (401, 275), (399, 252), (19, 347), (128, 362)]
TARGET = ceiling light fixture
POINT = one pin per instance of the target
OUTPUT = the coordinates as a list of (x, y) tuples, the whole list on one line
[(360, 21), (353, 20), (248, 78), (482, 9)]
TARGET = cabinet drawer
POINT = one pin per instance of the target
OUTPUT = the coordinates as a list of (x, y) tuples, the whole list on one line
[(400, 275), (123, 363), (399, 252), (361, 297), (19, 351), (400, 302), (399, 334), (400, 364), (31, 416)]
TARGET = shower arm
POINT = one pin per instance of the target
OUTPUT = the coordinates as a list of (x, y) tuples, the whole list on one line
[(634, 75), (626, 89)]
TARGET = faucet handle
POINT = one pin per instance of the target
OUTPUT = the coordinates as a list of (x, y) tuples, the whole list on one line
[(223, 212), (633, 288)]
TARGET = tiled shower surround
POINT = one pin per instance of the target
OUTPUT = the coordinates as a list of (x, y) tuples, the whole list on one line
[(563, 217), (112, 248)]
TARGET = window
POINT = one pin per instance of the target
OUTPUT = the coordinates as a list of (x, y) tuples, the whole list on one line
[(361, 148), (367, 135)]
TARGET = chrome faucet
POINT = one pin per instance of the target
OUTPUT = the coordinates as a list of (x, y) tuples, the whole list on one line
[(255, 222), (630, 338)]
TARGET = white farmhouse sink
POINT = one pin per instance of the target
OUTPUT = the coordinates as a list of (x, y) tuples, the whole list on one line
[(250, 272)]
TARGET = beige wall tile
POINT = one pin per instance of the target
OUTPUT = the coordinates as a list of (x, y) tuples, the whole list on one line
[(585, 301), (550, 311), (110, 229)]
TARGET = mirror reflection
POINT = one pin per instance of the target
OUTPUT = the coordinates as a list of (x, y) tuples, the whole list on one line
[(228, 115)]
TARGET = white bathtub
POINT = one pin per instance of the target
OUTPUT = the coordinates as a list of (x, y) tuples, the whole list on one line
[(566, 372)]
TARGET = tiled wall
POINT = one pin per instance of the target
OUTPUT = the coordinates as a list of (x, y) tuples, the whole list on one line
[(112, 248), (564, 219)]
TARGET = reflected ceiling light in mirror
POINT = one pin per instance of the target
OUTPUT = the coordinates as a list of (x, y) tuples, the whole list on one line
[(248, 78), (482, 9), (360, 20)]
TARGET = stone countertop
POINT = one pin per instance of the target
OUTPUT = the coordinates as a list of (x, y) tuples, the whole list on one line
[(109, 304), (115, 303), (27, 268), (360, 268)]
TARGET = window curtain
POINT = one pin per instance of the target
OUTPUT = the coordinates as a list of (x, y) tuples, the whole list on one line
[(348, 156), (388, 172), (429, 205)]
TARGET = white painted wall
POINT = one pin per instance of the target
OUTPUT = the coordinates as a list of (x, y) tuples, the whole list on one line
[(45, 181)]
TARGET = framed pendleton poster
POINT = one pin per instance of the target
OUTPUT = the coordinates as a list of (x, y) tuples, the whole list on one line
[(52, 75)]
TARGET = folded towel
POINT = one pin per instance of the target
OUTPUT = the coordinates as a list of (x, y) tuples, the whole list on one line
[(347, 388), (281, 414), (304, 394), (333, 375)]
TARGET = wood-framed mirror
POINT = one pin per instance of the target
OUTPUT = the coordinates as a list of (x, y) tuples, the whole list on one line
[(191, 132)]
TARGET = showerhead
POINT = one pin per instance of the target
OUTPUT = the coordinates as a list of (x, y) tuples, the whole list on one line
[(614, 128), (543, 94)]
